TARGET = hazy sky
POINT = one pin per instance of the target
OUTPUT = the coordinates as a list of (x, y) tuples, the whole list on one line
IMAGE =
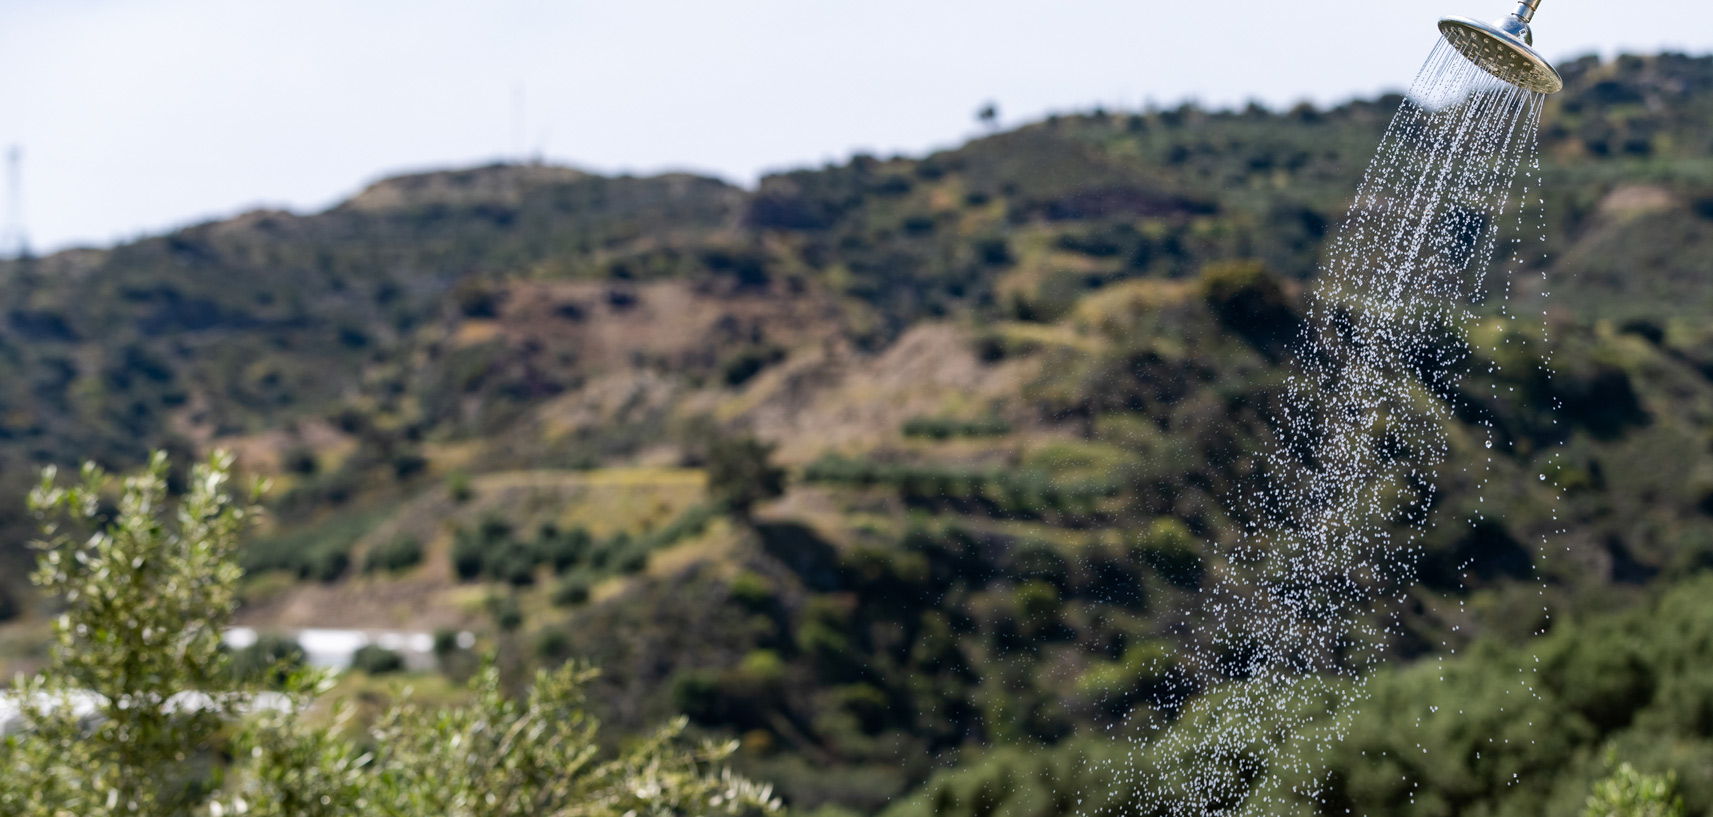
[(139, 115)]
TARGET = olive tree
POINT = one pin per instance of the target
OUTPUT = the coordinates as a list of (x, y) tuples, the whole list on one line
[(138, 689), (1630, 793), (140, 712)]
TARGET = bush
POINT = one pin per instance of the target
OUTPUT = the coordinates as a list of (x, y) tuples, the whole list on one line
[(325, 566), (745, 365), (374, 660), (1169, 548), (458, 487), (1629, 793), (696, 693), (300, 460), (1249, 301), (740, 474), (489, 550), (564, 549), (453, 659), (399, 553), (445, 641), (272, 659), (167, 573), (508, 615), (552, 645), (752, 591), (477, 299), (319, 552), (633, 562), (469, 557), (571, 592), (940, 428)]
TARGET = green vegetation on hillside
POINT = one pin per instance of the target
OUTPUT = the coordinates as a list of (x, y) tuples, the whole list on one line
[(898, 463), (171, 729), (1498, 731)]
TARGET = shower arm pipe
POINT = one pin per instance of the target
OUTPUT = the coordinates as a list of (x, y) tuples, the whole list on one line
[(1526, 10)]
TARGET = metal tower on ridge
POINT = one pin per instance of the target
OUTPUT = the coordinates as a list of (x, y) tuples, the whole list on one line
[(14, 241)]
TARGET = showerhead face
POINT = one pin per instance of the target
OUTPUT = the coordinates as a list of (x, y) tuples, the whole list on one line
[(1503, 50)]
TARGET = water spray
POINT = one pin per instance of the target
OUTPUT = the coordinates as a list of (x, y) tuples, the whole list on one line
[(1505, 48), (1309, 598)]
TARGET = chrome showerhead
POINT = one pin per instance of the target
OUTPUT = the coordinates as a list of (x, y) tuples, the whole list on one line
[(1504, 48)]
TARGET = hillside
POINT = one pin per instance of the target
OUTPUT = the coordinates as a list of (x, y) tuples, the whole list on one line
[(1012, 384)]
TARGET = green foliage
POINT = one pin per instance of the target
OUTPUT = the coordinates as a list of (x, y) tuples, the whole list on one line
[(458, 487), (375, 660), (1249, 302), (1490, 732), (317, 552), (506, 612), (940, 428), (1629, 793), (502, 756), (146, 591), (740, 367), (1525, 727), (396, 554), (1169, 250), (571, 592), (753, 591), (1169, 547), (740, 473), (290, 768), (494, 550), (1022, 493), (273, 659)]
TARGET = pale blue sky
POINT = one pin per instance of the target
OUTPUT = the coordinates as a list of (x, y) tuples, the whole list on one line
[(139, 115)]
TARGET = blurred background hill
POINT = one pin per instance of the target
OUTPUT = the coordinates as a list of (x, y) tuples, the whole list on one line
[(882, 464)]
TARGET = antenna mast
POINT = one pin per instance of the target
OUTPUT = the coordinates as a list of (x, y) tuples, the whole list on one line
[(519, 152), (16, 242)]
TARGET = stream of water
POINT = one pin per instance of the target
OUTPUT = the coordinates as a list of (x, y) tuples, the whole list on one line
[(1298, 614)]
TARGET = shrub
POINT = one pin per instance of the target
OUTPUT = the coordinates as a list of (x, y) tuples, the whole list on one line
[(633, 563), (1168, 547), (571, 592), (300, 460), (160, 573), (399, 553), (476, 299), (491, 550), (132, 584), (458, 487), (469, 556), (508, 616), (1629, 793), (940, 428), (272, 659), (375, 660), (564, 549), (445, 641), (752, 590), (740, 474), (408, 464), (1249, 301), (325, 566), (696, 693), (552, 645), (320, 552), (745, 365)]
